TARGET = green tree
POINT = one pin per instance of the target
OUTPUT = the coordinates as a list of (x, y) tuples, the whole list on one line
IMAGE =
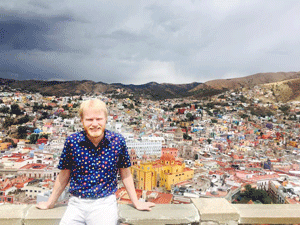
[(255, 195), (244, 116), (65, 107), (285, 109), (4, 110), (190, 116), (44, 115), (24, 119), (186, 137), (131, 106), (33, 138), (15, 109), (44, 136), (22, 132), (8, 122)]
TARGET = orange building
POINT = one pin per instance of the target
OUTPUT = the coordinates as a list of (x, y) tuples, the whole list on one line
[(164, 172), (172, 151)]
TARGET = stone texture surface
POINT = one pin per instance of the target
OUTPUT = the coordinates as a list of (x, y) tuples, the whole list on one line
[(209, 223), (216, 209), (12, 214), (212, 211), (36, 216), (268, 214), (160, 214)]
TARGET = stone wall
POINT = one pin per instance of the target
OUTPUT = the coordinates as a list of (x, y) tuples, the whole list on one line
[(204, 211)]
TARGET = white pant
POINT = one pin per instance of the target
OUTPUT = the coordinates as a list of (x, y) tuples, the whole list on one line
[(82, 211)]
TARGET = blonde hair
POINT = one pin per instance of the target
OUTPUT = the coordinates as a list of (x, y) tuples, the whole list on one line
[(96, 103)]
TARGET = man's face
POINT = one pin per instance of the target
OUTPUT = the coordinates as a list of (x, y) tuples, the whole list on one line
[(94, 122)]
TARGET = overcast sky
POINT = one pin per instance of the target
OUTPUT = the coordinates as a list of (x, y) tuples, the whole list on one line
[(135, 42)]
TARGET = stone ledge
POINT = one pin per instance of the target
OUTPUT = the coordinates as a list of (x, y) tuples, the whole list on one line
[(160, 215), (12, 214), (216, 209), (36, 216), (268, 214), (207, 211)]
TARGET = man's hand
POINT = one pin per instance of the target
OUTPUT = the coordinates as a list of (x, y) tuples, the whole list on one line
[(144, 206), (44, 205)]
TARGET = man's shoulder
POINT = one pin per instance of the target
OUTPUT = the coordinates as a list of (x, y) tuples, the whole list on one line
[(78, 136), (111, 135)]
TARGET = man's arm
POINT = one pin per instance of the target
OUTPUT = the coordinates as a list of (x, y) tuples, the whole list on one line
[(59, 186), (129, 186)]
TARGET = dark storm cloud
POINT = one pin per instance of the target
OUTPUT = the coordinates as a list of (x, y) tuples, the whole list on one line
[(28, 32), (40, 4), (138, 41)]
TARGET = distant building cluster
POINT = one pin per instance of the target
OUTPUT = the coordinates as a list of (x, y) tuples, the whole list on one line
[(179, 148)]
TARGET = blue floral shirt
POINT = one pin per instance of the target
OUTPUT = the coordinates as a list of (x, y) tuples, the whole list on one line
[(94, 169)]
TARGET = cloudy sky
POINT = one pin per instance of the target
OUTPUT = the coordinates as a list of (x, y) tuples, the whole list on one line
[(135, 42)]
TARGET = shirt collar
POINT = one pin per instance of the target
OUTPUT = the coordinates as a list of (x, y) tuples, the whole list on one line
[(83, 137)]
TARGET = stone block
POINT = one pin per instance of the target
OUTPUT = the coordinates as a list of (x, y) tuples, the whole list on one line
[(268, 214), (215, 209), (12, 214), (159, 215), (209, 223), (36, 216)]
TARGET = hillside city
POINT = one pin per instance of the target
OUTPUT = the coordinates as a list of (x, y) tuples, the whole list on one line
[(225, 146)]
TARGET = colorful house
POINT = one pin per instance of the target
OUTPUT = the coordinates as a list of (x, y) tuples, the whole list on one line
[(164, 172)]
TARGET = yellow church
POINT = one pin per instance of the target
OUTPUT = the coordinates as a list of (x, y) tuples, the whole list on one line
[(164, 172)]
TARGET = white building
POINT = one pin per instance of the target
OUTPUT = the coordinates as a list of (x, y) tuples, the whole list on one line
[(32, 191), (145, 147)]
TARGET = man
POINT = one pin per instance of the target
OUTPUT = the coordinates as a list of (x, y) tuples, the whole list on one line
[(91, 160)]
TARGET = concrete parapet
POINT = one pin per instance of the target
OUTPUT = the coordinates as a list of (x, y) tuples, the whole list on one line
[(217, 210), (268, 214), (160, 215), (36, 216), (13, 214), (203, 211)]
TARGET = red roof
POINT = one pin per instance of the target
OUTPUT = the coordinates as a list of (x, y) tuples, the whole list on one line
[(161, 198), (36, 166), (167, 157)]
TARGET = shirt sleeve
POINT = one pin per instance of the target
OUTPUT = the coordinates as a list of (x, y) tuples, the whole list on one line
[(124, 158), (66, 161)]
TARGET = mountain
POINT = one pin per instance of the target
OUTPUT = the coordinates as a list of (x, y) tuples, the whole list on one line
[(283, 91), (150, 90), (277, 83), (249, 81)]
